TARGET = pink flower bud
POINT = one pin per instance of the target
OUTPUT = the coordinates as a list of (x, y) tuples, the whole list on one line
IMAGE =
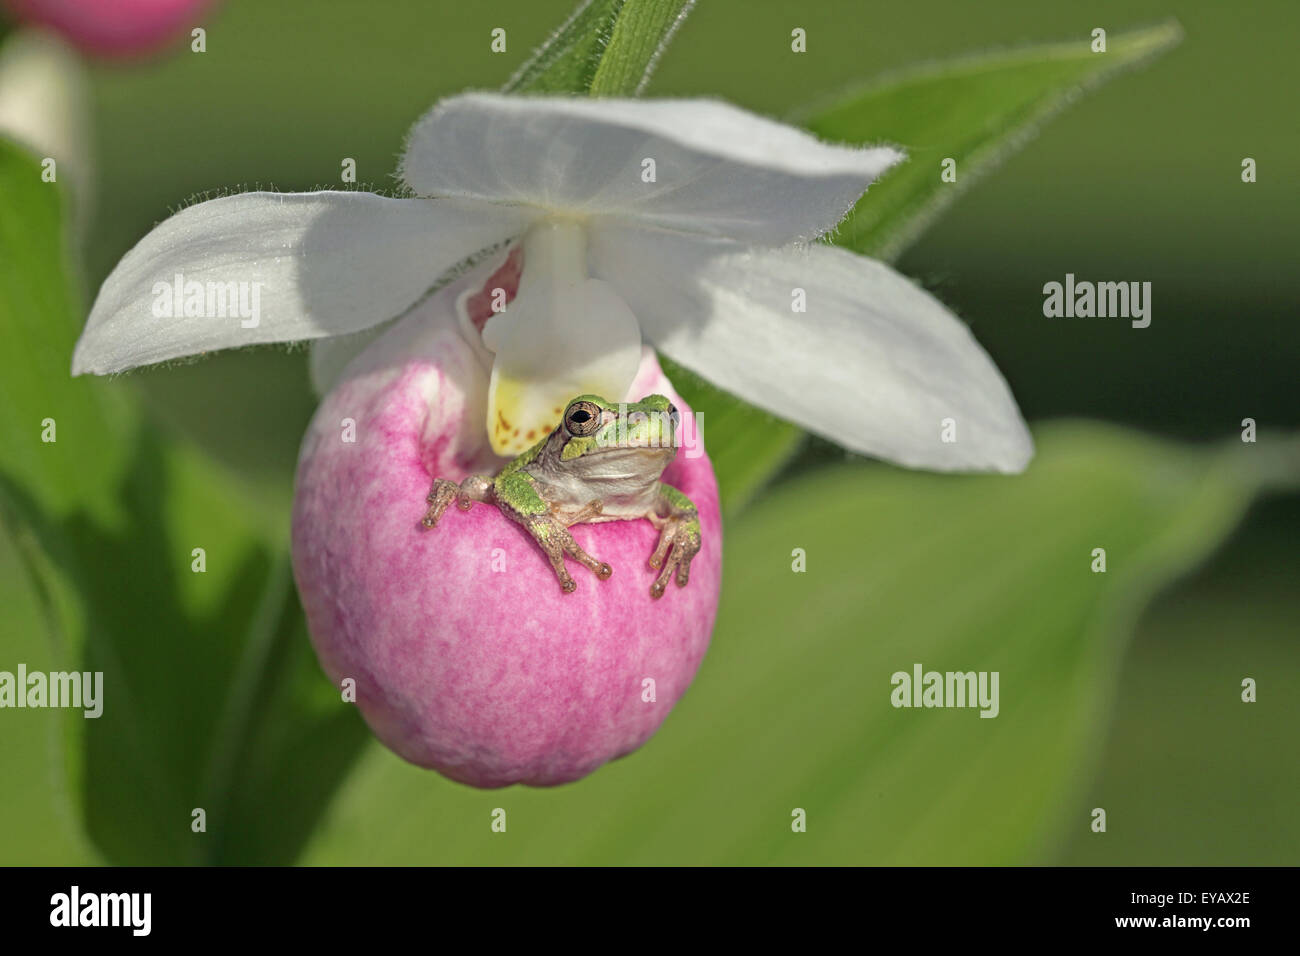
[(113, 28), (467, 655)]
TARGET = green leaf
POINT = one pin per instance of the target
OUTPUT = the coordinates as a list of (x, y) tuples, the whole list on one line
[(792, 706), (39, 322), (976, 110), (62, 453), (212, 698), (40, 821), (219, 703), (605, 48), (1191, 775)]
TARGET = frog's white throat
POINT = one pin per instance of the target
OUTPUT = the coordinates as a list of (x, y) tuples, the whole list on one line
[(624, 480)]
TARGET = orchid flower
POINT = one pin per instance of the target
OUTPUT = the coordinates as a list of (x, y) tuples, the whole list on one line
[(686, 225), (551, 246)]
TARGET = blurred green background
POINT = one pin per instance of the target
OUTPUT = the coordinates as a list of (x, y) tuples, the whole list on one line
[(1140, 180)]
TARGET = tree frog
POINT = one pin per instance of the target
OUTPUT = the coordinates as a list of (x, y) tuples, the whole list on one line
[(601, 463)]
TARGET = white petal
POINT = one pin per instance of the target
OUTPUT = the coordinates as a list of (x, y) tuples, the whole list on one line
[(717, 169), (311, 265), (875, 364)]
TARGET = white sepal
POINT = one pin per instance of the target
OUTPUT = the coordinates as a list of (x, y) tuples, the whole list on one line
[(874, 363)]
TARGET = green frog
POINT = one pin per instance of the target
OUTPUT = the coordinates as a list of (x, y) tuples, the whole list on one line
[(601, 463)]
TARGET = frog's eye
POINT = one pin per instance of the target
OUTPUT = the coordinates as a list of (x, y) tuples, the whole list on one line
[(582, 418)]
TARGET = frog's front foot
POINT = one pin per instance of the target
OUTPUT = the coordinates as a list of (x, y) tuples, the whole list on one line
[(444, 492), (556, 541), (679, 542)]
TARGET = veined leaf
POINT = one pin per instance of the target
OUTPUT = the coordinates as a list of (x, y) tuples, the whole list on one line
[(975, 111)]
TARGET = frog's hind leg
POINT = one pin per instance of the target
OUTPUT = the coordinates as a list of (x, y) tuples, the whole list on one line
[(472, 489)]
